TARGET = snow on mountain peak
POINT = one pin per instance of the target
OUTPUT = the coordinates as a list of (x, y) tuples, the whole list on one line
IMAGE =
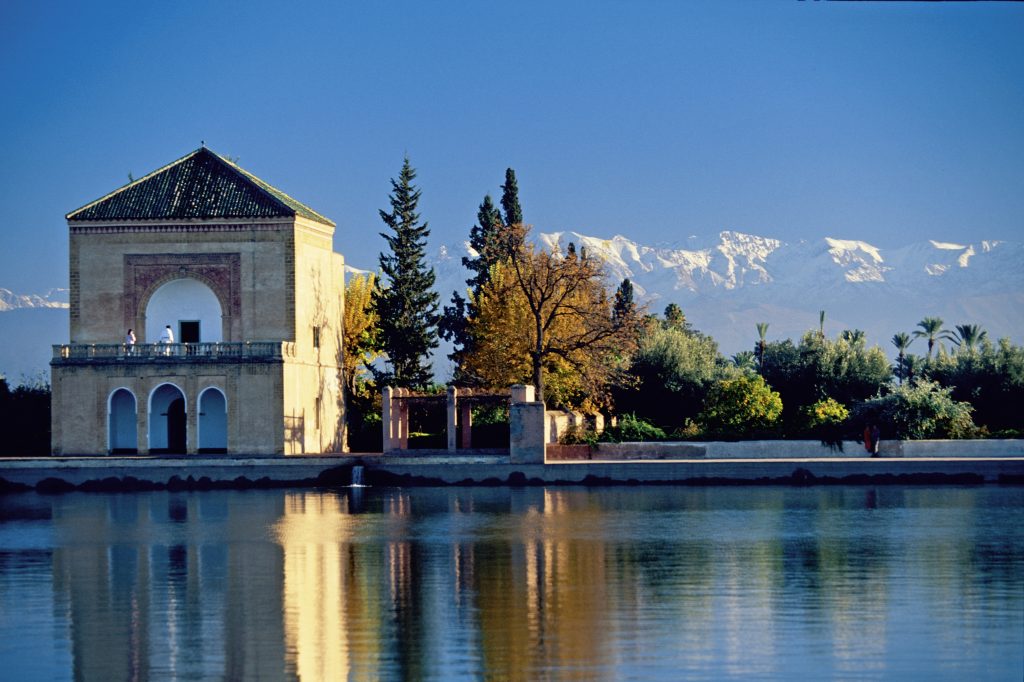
[(947, 246), (54, 298), (862, 261)]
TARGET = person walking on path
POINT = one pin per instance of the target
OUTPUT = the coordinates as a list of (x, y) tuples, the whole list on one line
[(129, 342), (876, 435), (867, 439)]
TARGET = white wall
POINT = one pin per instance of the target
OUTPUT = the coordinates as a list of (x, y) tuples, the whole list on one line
[(184, 299)]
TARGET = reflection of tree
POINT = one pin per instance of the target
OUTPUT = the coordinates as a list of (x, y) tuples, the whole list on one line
[(542, 594), (567, 582), (328, 590)]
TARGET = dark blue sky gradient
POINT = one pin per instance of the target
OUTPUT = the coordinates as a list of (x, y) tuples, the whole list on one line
[(887, 122)]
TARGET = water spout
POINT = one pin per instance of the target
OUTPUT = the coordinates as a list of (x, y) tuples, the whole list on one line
[(357, 476)]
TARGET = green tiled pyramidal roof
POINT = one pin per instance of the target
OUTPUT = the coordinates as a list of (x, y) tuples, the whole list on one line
[(202, 185)]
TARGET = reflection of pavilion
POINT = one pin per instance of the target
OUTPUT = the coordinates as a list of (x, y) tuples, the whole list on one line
[(243, 276), (151, 590)]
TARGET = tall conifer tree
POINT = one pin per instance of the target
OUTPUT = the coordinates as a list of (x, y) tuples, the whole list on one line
[(510, 199), (485, 239), (624, 306), (488, 238), (404, 299)]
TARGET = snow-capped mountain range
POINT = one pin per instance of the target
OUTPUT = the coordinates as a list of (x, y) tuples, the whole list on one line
[(725, 285), (54, 298), (728, 283)]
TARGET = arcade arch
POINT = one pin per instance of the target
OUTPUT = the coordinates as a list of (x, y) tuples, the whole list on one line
[(122, 436), (213, 421), (167, 424)]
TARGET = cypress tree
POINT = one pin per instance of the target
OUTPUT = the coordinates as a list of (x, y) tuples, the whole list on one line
[(406, 304), (510, 199), (485, 239), (624, 306)]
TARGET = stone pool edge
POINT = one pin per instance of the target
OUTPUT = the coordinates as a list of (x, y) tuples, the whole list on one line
[(108, 474)]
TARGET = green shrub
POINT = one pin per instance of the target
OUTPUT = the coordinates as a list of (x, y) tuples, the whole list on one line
[(917, 410), (826, 413), (741, 407), (632, 429), (579, 435)]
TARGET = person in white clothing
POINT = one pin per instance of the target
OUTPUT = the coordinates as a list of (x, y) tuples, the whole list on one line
[(129, 341), (167, 338)]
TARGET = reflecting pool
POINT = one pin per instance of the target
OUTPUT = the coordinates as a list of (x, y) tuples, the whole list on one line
[(533, 583)]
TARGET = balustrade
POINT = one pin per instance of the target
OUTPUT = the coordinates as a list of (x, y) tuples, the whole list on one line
[(173, 352)]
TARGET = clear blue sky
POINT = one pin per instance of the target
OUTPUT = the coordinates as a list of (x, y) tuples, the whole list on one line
[(888, 122)]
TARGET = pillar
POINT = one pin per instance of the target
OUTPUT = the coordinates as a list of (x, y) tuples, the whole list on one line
[(402, 413), (526, 427), (453, 394), (466, 419), (387, 418)]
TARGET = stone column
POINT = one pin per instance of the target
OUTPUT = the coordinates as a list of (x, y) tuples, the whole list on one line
[(526, 427), (453, 395), (403, 419), (466, 419), (141, 419), (522, 393), (387, 419)]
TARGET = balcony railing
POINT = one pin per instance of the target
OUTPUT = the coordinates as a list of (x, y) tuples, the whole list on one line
[(255, 351)]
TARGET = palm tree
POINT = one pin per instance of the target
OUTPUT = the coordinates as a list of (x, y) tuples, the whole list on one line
[(902, 341), (762, 343), (967, 336), (854, 337), (931, 329), (744, 360), (911, 364)]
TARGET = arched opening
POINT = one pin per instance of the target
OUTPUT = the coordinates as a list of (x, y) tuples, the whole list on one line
[(167, 427), (122, 436), (213, 422), (191, 309)]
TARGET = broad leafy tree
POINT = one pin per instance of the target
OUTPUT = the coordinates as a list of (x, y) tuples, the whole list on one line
[(404, 300), (361, 338), (552, 312), (820, 368), (672, 370), (740, 406)]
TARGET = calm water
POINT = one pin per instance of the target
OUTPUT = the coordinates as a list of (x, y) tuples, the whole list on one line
[(557, 583)]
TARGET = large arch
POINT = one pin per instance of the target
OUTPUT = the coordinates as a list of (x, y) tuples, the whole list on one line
[(122, 434), (184, 300), (213, 421), (168, 431)]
